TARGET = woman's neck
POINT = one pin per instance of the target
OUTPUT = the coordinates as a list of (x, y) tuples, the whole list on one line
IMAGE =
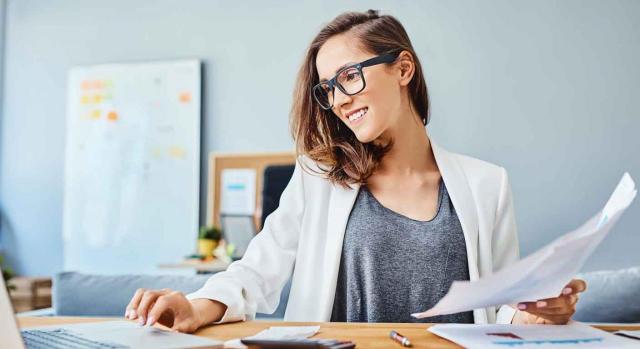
[(411, 153)]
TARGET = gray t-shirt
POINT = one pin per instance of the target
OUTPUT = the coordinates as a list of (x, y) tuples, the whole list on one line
[(393, 266)]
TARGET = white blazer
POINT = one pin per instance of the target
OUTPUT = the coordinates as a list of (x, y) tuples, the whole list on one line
[(304, 236)]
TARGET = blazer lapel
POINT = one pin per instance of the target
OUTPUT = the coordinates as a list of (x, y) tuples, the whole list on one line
[(460, 194)]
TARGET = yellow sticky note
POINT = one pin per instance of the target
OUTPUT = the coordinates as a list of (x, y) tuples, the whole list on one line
[(177, 152)]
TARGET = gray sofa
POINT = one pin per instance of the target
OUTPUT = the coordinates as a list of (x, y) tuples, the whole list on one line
[(611, 296), (77, 294)]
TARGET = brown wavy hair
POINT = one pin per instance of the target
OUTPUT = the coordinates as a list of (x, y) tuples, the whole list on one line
[(322, 136)]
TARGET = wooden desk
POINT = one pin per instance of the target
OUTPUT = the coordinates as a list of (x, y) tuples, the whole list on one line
[(363, 334)]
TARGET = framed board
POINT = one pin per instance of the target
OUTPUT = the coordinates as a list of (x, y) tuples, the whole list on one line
[(257, 162)]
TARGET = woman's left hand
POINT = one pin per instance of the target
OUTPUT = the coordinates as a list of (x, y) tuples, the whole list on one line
[(553, 311)]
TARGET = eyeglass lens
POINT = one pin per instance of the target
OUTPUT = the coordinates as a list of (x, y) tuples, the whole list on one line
[(350, 82)]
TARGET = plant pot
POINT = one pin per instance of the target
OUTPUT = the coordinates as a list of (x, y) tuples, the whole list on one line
[(206, 247)]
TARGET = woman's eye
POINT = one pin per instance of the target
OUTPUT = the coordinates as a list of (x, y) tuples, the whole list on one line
[(351, 76)]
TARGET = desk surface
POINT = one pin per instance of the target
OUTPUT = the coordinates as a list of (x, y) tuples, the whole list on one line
[(365, 335)]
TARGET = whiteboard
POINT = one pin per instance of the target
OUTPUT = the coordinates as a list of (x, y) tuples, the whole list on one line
[(132, 166)]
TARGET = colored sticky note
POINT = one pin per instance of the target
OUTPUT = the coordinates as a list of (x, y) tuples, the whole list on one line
[(177, 152), (112, 116), (185, 97)]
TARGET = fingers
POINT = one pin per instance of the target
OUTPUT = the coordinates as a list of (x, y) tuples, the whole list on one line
[(162, 304), (552, 320), (563, 305), (167, 307), (147, 301), (575, 286), (130, 312), (173, 310)]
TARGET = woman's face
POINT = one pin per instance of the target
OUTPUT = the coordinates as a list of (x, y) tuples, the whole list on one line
[(375, 111)]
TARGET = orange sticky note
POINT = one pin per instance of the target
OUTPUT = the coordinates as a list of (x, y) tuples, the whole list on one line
[(112, 116), (185, 97)]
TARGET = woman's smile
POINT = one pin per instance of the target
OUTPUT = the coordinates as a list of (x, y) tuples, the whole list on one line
[(356, 117)]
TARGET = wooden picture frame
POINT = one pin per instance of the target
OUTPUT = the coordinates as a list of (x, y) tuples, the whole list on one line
[(219, 162)]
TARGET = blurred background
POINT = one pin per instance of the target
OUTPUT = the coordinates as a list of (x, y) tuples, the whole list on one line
[(547, 89)]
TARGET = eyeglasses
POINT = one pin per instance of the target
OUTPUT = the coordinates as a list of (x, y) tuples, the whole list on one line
[(348, 79)]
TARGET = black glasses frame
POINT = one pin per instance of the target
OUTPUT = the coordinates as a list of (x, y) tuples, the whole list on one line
[(384, 58)]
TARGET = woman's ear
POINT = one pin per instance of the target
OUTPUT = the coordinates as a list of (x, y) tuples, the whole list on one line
[(406, 67)]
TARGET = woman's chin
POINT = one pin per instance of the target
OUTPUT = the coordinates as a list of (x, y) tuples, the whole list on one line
[(364, 138)]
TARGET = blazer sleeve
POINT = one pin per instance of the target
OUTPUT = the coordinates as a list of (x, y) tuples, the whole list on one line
[(505, 240), (254, 283)]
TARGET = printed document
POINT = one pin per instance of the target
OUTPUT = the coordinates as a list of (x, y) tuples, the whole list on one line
[(542, 274), (573, 335)]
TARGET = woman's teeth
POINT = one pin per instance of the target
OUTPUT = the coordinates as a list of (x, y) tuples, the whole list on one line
[(357, 115)]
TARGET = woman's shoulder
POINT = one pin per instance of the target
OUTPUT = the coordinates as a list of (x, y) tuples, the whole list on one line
[(312, 170), (480, 171)]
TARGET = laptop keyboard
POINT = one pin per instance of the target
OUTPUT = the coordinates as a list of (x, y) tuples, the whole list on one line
[(63, 339)]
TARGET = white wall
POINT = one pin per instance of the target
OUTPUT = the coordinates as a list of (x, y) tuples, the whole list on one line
[(544, 88)]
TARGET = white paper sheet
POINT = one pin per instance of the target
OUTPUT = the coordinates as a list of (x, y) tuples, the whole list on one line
[(573, 335), (238, 191), (542, 274), (276, 332)]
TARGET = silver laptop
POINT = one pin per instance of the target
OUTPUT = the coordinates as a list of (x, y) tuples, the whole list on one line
[(238, 230), (108, 334)]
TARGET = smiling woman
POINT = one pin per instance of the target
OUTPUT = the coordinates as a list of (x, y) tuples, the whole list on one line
[(377, 221), (319, 128)]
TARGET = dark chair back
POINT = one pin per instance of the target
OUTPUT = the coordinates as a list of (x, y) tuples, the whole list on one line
[(275, 179)]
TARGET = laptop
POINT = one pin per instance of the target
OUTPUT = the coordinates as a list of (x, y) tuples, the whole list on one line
[(238, 230), (107, 334)]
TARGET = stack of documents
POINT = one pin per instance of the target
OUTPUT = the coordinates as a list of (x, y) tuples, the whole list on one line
[(574, 335), (544, 273)]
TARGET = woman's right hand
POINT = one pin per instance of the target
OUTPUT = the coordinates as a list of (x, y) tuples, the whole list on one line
[(172, 309)]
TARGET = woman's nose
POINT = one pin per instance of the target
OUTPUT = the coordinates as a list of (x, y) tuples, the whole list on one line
[(341, 99)]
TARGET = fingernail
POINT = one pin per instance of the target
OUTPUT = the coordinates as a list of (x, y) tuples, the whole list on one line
[(149, 321), (522, 306), (566, 290), (141, 321), (541, 304), (134, 315)]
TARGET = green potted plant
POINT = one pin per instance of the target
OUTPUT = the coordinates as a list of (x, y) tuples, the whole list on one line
[(208, 240), (7, 274)]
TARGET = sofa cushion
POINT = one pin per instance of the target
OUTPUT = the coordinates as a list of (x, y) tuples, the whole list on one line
[(611, 296), (76, 294)]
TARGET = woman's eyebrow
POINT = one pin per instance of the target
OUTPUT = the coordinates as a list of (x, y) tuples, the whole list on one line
[(339, 68)]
